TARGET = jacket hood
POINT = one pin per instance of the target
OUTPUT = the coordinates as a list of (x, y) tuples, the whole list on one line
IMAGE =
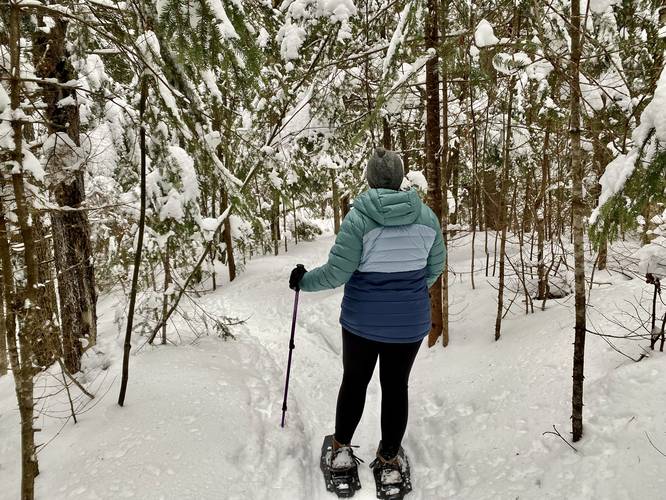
[(388, 207)]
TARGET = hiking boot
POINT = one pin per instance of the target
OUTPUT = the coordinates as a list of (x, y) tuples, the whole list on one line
[(392, 475), (340, 468)]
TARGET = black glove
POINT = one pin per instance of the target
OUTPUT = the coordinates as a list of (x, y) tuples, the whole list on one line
[(296, 277)]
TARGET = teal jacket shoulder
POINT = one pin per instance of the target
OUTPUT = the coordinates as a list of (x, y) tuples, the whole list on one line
[(343, 259)]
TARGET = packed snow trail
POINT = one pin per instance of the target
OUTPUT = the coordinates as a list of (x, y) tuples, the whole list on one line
[(201, 421)]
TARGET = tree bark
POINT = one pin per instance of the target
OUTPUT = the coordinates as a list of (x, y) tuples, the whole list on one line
[(226, 235), (432, 145), (578, 209), (386, 134), (503, 213), (139, 245), (542, 292), (71, 229), (21, 308), (335, 201), (445, 167), (167, 283)]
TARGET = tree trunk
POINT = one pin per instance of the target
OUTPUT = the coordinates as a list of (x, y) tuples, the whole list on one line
[(432, 146), (22, 304), (446, 167), (503, 212), (386, 134), (167, 283), (71, 229), (601, 158), (542, 292), (293, 209), (46, 346), (139, 244), (405, 152), (335, 201), (275, 222), (214, 253), (3, 337), (226, 235), (578, 209)]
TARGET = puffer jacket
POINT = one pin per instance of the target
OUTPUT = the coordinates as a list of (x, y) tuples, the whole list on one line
[(388, 252)]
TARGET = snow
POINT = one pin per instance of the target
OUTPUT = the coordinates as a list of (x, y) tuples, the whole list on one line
[(291, 38), (598, 6), (614, 178), (6, 131), (4, 99), (32, 164), (224, 26), (652, 257), (396, 38), (484, 35), (201, 419), (173, 207), (263, 38), (337, 10), (60, 148), (94, 71), (210, 80), (416, 178), (652, 126), (188, 174), (653, 116), (411, 69)]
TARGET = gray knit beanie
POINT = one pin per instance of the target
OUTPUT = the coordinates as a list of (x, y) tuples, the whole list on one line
[(384, 170)]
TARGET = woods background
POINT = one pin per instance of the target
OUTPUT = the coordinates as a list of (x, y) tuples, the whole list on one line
[(155, 148)]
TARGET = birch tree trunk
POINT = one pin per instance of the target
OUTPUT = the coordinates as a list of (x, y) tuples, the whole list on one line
[(578, 211)]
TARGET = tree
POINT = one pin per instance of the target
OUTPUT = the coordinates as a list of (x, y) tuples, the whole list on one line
[(432, 147), (65, 163), (578, 209)]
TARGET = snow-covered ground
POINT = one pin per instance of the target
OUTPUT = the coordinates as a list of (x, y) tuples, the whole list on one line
[(201, 420)]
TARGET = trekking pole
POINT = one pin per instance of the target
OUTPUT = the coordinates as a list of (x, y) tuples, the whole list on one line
[(291, 348)]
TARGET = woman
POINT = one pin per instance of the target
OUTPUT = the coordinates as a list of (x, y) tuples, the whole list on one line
[(388, 252)]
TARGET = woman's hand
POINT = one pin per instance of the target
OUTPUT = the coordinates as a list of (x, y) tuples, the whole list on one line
[(296, 276)]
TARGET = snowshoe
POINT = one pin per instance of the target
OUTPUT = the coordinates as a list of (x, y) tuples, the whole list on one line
[(340, 468), (392, 478)]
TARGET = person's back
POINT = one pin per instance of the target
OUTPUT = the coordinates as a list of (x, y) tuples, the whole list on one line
[(386, 298), (388, 252)]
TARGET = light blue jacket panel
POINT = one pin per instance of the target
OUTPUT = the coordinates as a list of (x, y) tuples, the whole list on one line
[(391, 249)]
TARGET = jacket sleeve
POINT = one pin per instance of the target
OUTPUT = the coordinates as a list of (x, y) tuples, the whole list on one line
[(435, 264), (343, 259)]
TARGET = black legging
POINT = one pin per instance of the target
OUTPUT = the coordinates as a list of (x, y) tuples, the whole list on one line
[(359, 356)]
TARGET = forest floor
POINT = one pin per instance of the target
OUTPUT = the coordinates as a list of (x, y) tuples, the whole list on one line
[(201, 419)]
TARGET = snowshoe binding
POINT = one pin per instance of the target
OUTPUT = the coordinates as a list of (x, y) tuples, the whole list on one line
[(392, 477), (340, 468)]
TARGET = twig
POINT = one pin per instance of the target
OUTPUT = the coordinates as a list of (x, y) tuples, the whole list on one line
[(76, 382), (557, 433), (69, 395), (650, 440)]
